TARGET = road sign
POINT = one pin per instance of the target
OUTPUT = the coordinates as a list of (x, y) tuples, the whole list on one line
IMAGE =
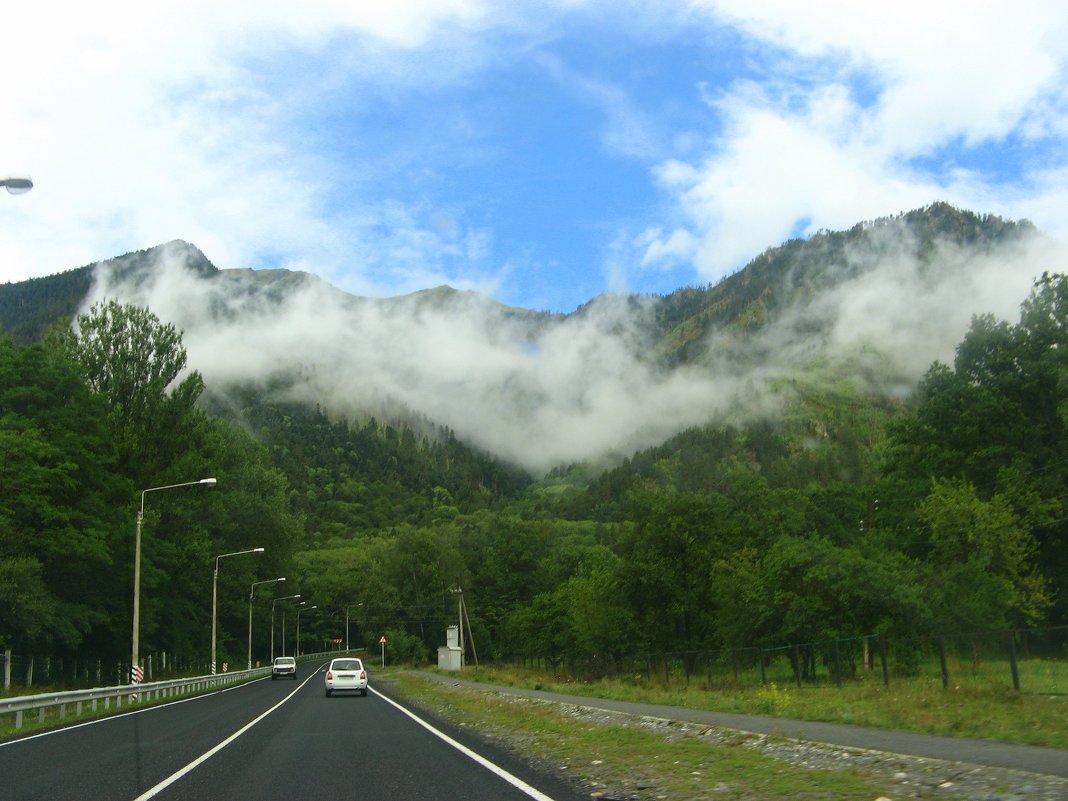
[(137, 674), (382, 640)]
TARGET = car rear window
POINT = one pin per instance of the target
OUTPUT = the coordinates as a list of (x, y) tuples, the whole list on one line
[(348, 664), (284, 661)]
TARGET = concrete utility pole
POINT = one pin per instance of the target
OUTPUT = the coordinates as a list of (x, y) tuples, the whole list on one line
[(462, 614)]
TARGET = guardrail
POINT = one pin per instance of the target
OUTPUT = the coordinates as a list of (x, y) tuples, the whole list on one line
[(109, 698)]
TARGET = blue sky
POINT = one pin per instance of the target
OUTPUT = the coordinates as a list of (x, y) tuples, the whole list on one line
[(541, 153)]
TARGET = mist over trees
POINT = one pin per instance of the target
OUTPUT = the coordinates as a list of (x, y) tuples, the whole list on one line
[(840, 511)]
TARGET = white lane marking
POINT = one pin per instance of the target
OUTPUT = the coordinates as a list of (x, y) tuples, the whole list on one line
[(163, 785), (513, 780), (118, 715)]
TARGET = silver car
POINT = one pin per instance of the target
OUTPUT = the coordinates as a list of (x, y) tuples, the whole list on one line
[(346, 673)]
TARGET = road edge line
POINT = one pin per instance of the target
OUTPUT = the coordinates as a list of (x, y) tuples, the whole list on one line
[(512, 779)]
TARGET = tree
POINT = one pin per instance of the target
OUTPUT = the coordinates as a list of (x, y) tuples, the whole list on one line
[(979, 551), (667, 568), (59, 501), (135, 361), (997, 420)]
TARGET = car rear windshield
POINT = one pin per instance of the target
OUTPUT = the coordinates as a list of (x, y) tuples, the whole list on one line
[(348, 664)]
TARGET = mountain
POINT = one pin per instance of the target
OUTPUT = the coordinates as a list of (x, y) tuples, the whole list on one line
[(874, 305), (791, 275), (744, 463)]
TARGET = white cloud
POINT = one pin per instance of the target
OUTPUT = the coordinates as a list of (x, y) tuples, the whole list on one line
[(144, 123), (140, 124), (823, 154), (581, 388)]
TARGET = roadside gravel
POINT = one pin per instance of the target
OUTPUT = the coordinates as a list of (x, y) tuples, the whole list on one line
[(905, 777), (901, 777)]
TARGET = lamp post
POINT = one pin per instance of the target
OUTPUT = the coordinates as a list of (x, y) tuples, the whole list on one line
[(214, 589), (251, 592), (296, 648), (284, 625), (17, 186), (276, 600), (207, 482), (347, 608)]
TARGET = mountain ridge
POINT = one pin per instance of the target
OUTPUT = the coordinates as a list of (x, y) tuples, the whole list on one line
[(622, 373)]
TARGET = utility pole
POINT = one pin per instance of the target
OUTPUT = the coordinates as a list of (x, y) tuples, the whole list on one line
[(461, 611)]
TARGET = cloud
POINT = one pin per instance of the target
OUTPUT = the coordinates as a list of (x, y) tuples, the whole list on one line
[(580, 388), (853, 98), (337, 136), (140, 126)]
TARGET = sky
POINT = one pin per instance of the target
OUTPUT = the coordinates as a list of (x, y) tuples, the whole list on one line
[(540, 153)]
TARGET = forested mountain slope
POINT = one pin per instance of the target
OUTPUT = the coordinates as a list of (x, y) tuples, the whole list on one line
[(843, 438), (875, 304)]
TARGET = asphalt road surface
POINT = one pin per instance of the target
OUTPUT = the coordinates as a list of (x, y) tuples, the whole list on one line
[(268, 740)]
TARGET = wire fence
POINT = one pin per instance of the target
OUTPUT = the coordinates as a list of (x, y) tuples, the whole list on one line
[(1026, 660)]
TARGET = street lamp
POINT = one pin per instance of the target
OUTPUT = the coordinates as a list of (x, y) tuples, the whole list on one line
[(214, 587), (17, 186), (276, 600), (207, 482), (347, 608), (296, 649), (251, 592)]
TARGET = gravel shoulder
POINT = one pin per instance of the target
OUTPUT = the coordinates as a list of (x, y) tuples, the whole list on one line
[(916, 766)]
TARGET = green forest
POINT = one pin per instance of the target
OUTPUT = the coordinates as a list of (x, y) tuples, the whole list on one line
[(849, 514)]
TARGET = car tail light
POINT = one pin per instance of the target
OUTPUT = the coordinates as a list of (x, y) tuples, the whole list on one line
[(363, 674), (329, 676)]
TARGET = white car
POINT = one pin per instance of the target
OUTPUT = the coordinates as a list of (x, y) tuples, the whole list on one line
[(346, 673), (284, 666)]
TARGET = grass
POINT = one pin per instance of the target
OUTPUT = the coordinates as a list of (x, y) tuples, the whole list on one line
[(637, 762), (969, 709)]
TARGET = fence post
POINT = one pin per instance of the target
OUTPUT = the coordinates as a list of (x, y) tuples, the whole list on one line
[(942, 661), (882, 658), (763, 672), (797, 665), (837, 665), (1012, 661)]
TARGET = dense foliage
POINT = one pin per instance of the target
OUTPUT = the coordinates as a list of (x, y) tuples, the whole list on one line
[(846, 514)]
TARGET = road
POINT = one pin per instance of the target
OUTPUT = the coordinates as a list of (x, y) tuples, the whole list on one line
[(268, 740)]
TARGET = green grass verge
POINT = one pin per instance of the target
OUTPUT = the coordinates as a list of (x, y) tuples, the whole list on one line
[(628, 762), (919, 705)]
